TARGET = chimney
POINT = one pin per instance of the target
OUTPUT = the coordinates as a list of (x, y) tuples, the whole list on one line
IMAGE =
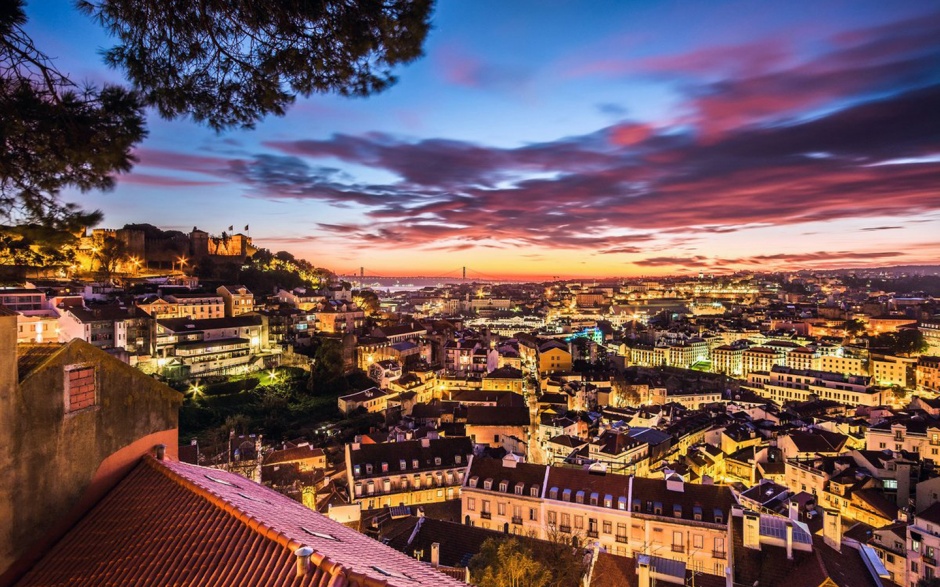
[(425, 442), (435, 554), (643, 571), (752, 530), (159, 451), (789, 539), (303, 560), (355, 446), (832, 529), (794, 510)]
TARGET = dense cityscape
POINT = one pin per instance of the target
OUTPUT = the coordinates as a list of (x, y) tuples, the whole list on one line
[(475, 293)]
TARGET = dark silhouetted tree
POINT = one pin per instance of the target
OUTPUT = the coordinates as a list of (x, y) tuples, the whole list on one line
[(229, 63), (226, 63)]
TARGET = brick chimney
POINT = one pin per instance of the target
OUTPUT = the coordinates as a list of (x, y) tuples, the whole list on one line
[(435, 554), (793, 509)]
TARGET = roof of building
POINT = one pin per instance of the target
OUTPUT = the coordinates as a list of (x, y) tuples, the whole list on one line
[(290, 455), (770, 567), (530, 475), (30, 356), (392, 454), (497, 416), (818, 441), (175, 523), (691, 501), (189, 324)]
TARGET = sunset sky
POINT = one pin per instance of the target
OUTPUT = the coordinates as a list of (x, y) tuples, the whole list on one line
[(578, 139)]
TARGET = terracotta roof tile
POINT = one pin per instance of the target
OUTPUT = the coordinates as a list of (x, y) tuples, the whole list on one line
[(170, 523)]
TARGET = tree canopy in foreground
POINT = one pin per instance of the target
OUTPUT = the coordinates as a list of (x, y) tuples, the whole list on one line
[(225, 63)]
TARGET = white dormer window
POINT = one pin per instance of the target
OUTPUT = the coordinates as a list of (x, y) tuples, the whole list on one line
[(519, 487), (504, 486), (579, 497), (488, 484), (437, 461), (457, 459), (472, 482), (566, 495), (553, 493), (414, 463), (385, 467), (534, 491), (368, 469)]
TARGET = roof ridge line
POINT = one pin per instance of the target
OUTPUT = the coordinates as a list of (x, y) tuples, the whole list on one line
[(317, 559)]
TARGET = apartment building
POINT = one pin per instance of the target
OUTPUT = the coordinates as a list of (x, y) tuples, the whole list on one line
[(237, 298), (784, 384), (625, 515), (410, 472), (923, 545)]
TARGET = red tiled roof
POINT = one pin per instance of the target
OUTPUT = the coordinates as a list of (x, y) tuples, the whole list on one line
[(289, 455), (170, 523)]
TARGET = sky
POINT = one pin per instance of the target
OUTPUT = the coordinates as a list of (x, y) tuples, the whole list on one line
[(577, 139)]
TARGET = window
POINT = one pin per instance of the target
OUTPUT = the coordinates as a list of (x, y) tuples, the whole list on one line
[(553, 493), (81, 388), (488, 484), (437, 461), (385, 467), (677, 545), (579, 497), (552, 517), (471, 504), (414, 463), (719, 551), (457, 459), (486, 506), (368, 469), (501, 509), (504, 486), (607, 526), (534, 492), (402, 465), (579, 522), (697, 541), (533, 514), (519, 488)]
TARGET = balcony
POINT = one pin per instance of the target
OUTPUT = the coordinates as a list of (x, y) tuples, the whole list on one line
[(621, 538), (486, 515), (564, 529), (929, 560), (678, 548), (719, 554), (517, 520), (592, 534)]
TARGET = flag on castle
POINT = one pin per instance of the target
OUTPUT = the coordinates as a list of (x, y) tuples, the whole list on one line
[(231, 228), (246, 227)]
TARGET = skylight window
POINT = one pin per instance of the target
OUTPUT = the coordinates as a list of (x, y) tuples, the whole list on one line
[(221, 481), (388, 573), (320, 534)]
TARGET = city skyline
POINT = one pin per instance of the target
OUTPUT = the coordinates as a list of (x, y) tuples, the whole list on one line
[(637, 139)]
